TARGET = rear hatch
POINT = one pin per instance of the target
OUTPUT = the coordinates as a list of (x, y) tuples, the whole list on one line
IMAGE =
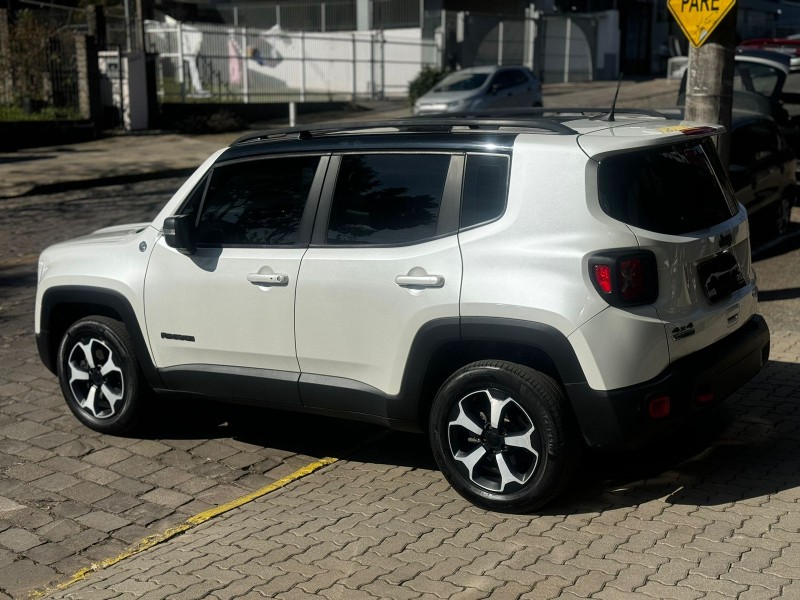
[(675, 197)]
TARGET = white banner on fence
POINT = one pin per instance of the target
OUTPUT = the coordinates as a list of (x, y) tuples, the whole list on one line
[(232, 64)]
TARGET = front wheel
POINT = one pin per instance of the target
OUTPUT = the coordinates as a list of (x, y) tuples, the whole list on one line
[(503, 436), (100, 376)]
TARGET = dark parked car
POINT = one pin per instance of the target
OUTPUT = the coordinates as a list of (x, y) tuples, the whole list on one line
[(762, 170), (768, 83)]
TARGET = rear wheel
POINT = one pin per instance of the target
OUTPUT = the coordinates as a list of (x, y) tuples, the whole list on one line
[(100, 376), (503, 436)]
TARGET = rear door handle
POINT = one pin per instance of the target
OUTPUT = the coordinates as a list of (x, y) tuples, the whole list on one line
[(268, 278), (418, 281)]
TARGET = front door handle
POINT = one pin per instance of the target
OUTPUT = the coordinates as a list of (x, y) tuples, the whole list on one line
[(419, 281), (268, 278)]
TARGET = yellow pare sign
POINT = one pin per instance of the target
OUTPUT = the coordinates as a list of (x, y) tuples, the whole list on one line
[(698, 18)]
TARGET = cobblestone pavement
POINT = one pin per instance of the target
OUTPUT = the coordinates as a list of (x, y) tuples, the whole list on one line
[(711, 513), (683, 522), (70, 496)]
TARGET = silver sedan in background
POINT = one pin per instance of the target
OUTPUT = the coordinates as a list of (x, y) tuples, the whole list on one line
[(481, 88)]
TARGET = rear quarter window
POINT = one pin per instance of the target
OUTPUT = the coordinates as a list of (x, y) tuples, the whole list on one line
[(671, 189)]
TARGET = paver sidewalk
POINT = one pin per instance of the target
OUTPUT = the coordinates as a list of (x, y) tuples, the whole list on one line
[(384, 524)]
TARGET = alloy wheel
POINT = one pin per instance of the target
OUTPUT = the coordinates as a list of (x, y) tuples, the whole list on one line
[(95, 380), (493, 440)]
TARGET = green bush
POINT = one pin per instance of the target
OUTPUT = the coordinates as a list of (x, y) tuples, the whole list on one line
[(422, 83), (218, 121)]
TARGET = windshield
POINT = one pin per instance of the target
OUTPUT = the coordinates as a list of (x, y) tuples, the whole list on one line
[(754, 77), (458, 82)]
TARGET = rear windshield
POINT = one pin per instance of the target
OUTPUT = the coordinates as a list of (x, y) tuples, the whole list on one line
[(670, 189)]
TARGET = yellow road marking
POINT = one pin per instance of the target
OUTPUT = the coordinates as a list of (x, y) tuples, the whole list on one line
[(154, 540)]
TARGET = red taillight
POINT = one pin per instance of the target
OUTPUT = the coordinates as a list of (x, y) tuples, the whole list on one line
[(658, 407), (705, 398), (625, 277), (602, 276), (631, 279)]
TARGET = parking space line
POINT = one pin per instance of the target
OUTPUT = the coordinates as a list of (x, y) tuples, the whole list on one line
[(191, 522)]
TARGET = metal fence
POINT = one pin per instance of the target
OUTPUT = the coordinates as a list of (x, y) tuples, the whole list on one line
[(322, 15), (198, 63)]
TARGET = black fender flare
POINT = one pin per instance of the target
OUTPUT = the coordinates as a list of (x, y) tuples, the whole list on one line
[(99, 297), (435, 334)]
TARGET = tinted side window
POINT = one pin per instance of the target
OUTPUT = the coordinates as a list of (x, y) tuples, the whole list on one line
[(387, 198), (507, 79), (670, 190), (485, 188), (256, 202)]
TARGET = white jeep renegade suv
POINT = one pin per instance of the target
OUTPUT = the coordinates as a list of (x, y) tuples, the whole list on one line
[(520, 288)]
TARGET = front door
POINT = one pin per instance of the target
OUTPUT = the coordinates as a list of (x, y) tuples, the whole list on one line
[(227, 310)]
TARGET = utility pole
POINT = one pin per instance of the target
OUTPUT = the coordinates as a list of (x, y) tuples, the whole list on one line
[(139, 27), (709, 81)]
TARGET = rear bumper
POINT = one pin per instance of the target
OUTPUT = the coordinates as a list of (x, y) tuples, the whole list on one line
[(620, 418)]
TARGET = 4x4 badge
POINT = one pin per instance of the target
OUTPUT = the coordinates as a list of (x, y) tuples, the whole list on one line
[(683, 332)]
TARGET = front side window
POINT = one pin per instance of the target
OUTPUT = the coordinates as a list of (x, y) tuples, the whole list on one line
[(387, 198), (507, 79), (258, 202)]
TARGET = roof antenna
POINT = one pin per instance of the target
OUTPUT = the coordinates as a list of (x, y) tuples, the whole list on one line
[(609, 116)]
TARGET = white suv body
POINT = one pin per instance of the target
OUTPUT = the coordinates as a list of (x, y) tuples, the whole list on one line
[(512, 285)]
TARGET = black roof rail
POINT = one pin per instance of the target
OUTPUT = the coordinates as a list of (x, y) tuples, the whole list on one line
[(442, 124)]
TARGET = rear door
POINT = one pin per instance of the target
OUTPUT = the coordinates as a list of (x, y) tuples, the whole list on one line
[(677, 201), (383, 262)]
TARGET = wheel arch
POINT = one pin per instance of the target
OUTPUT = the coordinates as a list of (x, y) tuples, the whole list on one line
[(445, 346), (64, 305)]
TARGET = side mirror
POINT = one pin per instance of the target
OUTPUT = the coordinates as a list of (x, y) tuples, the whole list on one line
[(495, 87), (177, 233)]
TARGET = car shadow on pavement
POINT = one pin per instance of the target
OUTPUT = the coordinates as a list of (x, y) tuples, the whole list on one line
[(742, 449), (306, 434)]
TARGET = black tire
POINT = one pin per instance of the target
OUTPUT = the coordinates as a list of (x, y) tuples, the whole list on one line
[(527, 398), (96, 352)]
